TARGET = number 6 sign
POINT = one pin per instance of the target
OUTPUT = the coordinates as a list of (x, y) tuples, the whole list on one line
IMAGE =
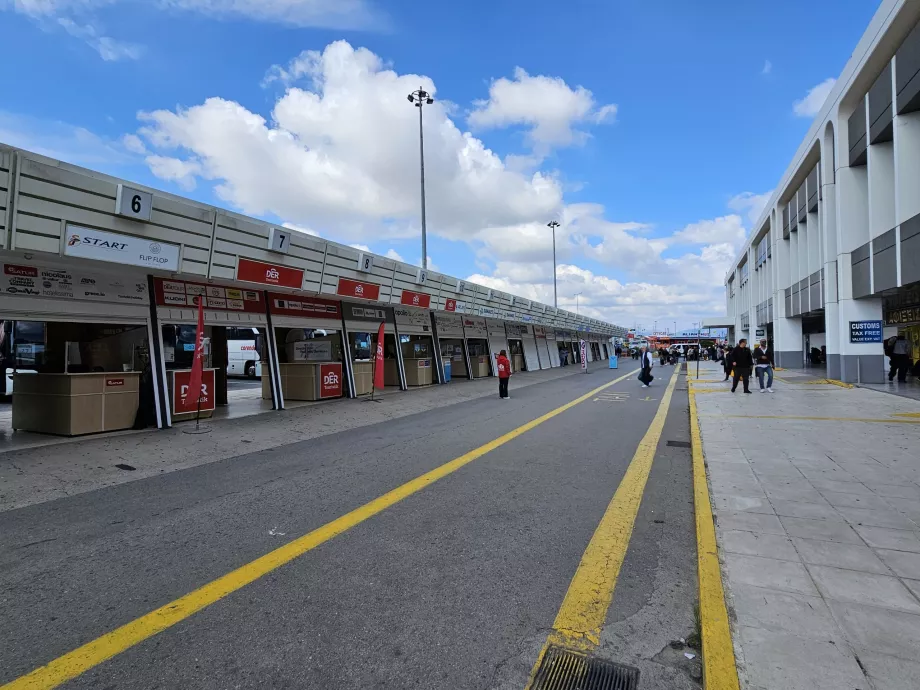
[(133, 203)]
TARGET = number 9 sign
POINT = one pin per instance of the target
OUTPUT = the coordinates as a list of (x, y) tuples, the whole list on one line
[(133, 203)]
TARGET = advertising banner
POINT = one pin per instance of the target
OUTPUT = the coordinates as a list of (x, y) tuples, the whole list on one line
[(415, 299), (583, 346), (24, 280), (330, 380), (183, 401), (355, 288), (120, 249), (180, 293), (378, 360), (269, 274)]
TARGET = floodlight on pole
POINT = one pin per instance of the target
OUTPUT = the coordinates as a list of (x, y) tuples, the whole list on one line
[(553, 224), (421, 98)]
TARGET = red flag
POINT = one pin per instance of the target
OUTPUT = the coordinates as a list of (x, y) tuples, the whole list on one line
[(194, 382), (378, 360)]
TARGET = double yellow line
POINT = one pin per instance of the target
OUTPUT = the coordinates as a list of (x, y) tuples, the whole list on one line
[(93, 653)]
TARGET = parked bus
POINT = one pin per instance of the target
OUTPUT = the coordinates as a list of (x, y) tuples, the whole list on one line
[(244, 347)]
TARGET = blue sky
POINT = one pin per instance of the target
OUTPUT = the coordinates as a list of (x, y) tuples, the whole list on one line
[(641, 125)]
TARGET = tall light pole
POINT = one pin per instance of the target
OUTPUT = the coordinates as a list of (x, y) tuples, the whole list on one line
[(553, 224), (576, 303), (420, 98)]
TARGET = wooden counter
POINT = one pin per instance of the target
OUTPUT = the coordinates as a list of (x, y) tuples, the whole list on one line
[(364, 377), (480, 366), (458, 366), (75, 404), (300, 381), (208, 380), (419, 372), (391, 372)]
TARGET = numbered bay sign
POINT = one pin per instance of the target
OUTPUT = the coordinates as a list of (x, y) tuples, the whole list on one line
[(133, 203)]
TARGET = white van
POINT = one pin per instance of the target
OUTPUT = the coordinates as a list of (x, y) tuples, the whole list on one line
[(244, 347)]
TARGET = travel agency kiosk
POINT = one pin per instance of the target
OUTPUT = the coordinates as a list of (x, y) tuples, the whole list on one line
[(543, 347), (476, 335), (416, 340), (451, 344)]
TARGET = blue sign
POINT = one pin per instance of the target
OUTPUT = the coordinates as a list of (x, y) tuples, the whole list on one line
[(188, 347), (613, 361), (865, 331)]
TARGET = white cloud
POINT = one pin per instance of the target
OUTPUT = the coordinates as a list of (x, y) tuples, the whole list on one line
[(133, 143), (395, 255), (182, 172), (547, 105), (328, 14), (360, 247), (62, 141), (767, 67), (750, 204), (814, 99), (109, 49), (724, 230), (334, 156), (300, 228)]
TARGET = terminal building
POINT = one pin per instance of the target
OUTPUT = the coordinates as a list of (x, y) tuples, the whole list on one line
[(832, 268), (101, 279)]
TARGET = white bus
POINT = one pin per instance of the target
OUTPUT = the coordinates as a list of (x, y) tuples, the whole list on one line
[(244, 352)]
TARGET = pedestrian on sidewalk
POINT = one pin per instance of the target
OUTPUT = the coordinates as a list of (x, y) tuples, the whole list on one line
[(900, 359), (645, 361), (504, 373), (763, 365), (742, 363), (727, 362)]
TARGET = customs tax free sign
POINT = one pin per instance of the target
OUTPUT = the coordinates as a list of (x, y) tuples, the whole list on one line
[(865, 331)]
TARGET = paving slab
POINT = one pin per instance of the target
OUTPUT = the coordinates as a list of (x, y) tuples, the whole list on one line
[(832, 601)]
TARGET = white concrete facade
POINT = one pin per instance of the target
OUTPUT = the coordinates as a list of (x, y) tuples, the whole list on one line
[(839, 240)]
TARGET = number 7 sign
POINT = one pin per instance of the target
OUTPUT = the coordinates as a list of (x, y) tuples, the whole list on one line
[(279, 240)]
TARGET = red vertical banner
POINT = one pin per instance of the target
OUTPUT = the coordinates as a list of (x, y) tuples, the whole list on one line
[(194, 382), (378, 360)]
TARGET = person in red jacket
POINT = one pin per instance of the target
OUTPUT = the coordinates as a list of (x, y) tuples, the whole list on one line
[(504, 373)]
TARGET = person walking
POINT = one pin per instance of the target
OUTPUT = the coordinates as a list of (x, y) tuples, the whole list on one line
[(645, 361), (900, 359), (727, 362), (504, 373), (742, 363), (763, 365)]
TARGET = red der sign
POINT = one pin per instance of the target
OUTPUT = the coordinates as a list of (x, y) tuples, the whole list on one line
[(416, 299), (308, 307), (184, 400), (269, 274), (330, 381), (114, 383), (355, 288), (450, 305)]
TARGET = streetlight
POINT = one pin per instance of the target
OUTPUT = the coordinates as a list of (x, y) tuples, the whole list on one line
[(420, 98), (576, 303), (554, 224)]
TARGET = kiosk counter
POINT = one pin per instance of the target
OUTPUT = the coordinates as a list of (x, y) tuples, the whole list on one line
[(75, 404)]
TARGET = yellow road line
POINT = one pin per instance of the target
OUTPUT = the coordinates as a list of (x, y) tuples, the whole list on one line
[(815, 419), (584, 609), (93, 653), (719, 669)]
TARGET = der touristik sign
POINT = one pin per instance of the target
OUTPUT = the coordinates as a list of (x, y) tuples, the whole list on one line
[(415, 299), (358, 288), (330, 380), (183, 401), (269, 274)]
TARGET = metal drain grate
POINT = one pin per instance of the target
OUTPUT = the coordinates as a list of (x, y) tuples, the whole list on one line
[(562, 669), (679, 444)]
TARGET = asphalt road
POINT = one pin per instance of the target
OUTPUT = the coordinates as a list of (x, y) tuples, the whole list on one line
[(455, 586), (239, 384)]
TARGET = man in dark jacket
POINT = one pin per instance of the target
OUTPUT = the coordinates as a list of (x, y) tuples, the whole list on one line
[(763, 365), (742, 362)]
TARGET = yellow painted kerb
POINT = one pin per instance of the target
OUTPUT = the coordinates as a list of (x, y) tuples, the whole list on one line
[(584, 609), (93, 653), (719, 670)]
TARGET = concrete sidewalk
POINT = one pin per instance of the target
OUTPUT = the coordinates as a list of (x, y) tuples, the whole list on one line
[(816, 495), (74, 466)]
